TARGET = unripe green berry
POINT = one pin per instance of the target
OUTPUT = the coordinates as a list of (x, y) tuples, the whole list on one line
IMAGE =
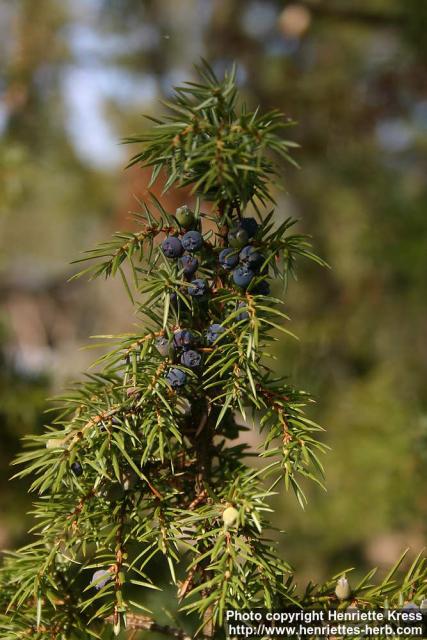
[(237, 237), (185, 216), (343, 590), (229, 517)]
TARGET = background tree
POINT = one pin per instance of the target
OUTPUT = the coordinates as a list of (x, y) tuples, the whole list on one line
[(139, 465)]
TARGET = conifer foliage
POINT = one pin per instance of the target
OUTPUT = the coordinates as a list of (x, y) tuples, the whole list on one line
[(144, 471)]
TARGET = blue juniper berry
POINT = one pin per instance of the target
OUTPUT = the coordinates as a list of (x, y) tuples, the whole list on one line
[(228, 258), (172, 247), (243, 276), (250, 257), (176, 378), (198, 288), (163, 346), (192, 241), (190, 265), (191, 359), (213, 332), (100, 578), (183, 339)]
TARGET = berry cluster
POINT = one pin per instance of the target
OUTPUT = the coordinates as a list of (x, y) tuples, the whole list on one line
[(183, 348), (183, 248), (240, 259), (243, 259)]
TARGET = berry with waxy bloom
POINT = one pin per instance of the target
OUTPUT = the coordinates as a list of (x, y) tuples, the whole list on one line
[(172, 247), (213, 332), (191, 359), (243, 276), (190, 265), (176, 378), (198, 288), (192, 241), (228, 258), (183, 339), (100, 579), (185, 216), (163, 346), (250, 257)]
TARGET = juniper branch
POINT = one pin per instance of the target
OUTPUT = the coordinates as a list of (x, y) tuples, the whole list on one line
[(146, 458)]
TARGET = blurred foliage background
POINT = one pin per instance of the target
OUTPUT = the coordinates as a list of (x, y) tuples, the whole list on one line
[(75, 76)]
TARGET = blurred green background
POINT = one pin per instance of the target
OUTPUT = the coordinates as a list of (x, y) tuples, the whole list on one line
[(75, 76)]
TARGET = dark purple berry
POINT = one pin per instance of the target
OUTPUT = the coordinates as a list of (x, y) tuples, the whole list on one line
[(250, 225), (185, 216), (100, 579), (192, 241), (163, 346), (243, 276), (198, 288), (77, 469), (191, 359), (228, 258), (237, 237), (250, 257), (172, 247), (261, 289), (176, 378), (183, 339), (213, 332), (190, 265)]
